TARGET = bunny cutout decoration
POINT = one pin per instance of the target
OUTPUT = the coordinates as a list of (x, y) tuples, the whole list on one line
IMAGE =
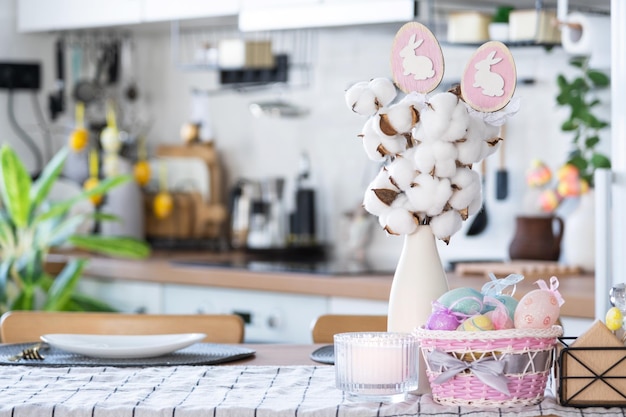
[(489, 79), (421, 67), (416, 59), (491, 82)]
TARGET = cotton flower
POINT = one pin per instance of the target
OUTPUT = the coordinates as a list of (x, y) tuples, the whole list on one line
[(372, 144), (402, 171), (399, 221), (446, 224), (380, 194), (429, 194), (362, 100), (445, 118), (384, 90), (396, 119)]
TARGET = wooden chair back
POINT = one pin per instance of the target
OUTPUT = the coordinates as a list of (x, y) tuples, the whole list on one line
[(326, 326), (27, 326)]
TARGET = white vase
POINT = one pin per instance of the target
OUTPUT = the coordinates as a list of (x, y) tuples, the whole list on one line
[(419, 280), (579, 234)]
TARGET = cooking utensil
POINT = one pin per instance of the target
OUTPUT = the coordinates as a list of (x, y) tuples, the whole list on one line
[(88, 90), (56, 100), (502, 175), (479, 224)]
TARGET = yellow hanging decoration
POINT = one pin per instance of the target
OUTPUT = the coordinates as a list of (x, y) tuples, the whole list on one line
[(141, 170), (163, 203), (79, 137), (93, 180)]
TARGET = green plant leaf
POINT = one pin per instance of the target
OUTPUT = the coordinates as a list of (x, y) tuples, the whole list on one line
[(49, 175), (579, 162), (599, 79), (64, 230), (569, 125), (579, 61), (25, 300), (15, 186), (6, 232), (123, 247), (62, 207), (63, 286), (592, 141), (600, 161)]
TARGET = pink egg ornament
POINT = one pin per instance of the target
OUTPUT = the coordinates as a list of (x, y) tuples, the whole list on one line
[(539, 309), (442, 320)]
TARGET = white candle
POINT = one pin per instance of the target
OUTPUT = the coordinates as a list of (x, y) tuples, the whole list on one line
[(376, 363)]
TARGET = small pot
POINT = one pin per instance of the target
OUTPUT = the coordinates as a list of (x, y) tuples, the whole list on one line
[(537, 238)]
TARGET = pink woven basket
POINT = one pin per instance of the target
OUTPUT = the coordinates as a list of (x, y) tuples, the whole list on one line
[(501, 368)]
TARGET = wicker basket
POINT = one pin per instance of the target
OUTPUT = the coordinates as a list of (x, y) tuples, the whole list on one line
[(515, 364)]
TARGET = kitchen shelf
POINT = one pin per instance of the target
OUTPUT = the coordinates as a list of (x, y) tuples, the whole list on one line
[(196, 49)]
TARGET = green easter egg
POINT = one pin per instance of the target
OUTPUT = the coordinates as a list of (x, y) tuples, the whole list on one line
[(463, 300)]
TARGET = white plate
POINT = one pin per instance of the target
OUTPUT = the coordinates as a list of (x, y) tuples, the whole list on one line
[(122, 346)]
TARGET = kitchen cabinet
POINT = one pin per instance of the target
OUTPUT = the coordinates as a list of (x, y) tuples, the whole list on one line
[(268, 316), (126, 296), (282, 14), (46, 15), (160, 10)]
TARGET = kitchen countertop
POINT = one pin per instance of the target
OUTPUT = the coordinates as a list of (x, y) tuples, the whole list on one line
[(168, 267)]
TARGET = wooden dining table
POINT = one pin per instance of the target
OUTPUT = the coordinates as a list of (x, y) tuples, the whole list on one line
[(278, 380)]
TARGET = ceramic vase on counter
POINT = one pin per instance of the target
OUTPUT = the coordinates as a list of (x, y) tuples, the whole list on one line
[(419, 280), (579, 236), (537, 238)]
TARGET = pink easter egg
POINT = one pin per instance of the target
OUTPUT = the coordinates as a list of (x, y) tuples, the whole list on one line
[(442, 320), (539, 309)]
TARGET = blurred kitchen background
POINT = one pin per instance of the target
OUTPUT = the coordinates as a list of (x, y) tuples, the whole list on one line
[(283, 138)]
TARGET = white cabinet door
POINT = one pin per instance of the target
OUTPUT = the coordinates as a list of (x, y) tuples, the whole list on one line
[(270, 317), (44, 15), (159, 10), (126, 296)]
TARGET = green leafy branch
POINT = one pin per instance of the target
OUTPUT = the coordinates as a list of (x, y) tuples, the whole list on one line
[(578, 95)]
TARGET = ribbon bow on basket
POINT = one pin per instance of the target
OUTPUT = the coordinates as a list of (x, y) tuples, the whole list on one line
[(487, 369)]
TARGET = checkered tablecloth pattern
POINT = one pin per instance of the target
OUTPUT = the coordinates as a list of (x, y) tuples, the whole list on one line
[(220, 391)]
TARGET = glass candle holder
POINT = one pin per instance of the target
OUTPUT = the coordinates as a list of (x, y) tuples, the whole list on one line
[(376, 366)]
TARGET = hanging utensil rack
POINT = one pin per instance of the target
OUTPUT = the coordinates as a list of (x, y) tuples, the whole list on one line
[(195, 48)]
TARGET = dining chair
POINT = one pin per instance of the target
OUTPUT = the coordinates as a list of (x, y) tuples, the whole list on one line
[(26, 326), (327, 325)]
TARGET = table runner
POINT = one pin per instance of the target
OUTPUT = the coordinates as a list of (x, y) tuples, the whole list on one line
[(220, 391)]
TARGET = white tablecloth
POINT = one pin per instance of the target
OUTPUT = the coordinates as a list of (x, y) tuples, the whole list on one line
[(219, 391)]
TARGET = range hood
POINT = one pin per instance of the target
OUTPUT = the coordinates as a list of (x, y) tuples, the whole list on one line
[(325, 13)]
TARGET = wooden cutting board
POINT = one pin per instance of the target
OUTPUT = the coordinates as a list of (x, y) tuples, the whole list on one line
[(530, 269)]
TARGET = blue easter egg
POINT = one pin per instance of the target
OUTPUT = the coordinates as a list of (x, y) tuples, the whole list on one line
[(463, 300), (442, 320), (509, 302)]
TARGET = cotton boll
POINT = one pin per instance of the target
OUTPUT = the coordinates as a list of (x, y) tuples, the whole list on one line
[(372, 144), (445, 154), (402, 172), (429, 194), (466, 185), (459, 122), (446, 224), (384, 89), (400, 222), (378, 200), (443, 103), (415, 99), (446, 118), (469, 151), (490, 146), (382, 180), (424, 157), (361, 99), (476, 204), (394, 145)]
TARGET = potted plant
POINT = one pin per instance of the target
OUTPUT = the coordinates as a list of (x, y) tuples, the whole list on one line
[(499, 26), (575, 178), (30, 226)]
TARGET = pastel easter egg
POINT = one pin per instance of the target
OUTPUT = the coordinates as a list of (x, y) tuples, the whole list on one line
[(614, 319), (500, 321), (463, 300), (478, 323), (539, 309), (509, 302), (442, 320)]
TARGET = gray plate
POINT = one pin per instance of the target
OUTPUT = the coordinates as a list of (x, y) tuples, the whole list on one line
[(196, 354), (325, 354)]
